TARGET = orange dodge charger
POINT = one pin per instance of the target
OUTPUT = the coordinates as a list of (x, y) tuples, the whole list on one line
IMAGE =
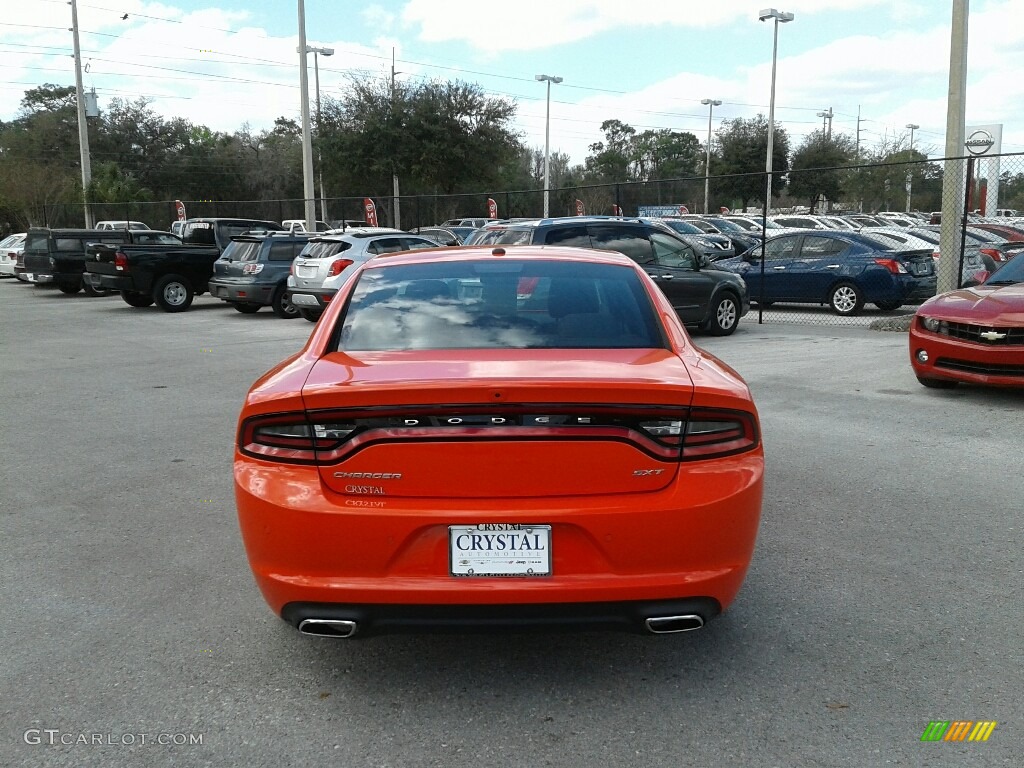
[(499, 439)]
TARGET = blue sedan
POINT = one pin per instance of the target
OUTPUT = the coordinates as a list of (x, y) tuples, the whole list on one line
[(842, 269)]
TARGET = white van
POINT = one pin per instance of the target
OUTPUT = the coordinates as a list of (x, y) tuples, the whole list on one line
[(121, 225)]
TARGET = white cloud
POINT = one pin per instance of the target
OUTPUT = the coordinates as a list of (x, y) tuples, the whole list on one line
[(538, 24)]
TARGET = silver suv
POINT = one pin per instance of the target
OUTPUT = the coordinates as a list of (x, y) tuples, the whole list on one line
[(328, 259)]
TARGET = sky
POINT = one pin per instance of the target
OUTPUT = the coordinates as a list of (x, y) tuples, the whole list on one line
[(647, 63)]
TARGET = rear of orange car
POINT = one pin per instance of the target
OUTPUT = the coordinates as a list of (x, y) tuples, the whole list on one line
[(502, 441)]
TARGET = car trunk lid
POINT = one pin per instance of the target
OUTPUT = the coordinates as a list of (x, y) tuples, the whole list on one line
[(494, 423)]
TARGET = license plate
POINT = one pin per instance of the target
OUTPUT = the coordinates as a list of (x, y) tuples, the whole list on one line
[(501, 549), (304, 271), (302, 300)]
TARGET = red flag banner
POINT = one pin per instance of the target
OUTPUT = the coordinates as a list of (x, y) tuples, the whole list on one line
[(580, 210), (179, 210), (723, 209), (371, 211), (683, 209), (492, 208), (616, 210)]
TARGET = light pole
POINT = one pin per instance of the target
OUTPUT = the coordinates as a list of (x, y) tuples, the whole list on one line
[(783, 17), (307, 141), (826, 117), (549, 79), (710, 104), (319, 158), (910, 169)]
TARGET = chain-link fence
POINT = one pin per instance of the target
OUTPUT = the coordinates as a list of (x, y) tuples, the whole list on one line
[(845, 245)]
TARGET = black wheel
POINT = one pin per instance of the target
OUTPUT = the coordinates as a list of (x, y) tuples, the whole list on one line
[(244, 308), (135, 299), (173, 293), (888, 306), (937, 383), (69, 288), (846, 299), (310, 314), (725, 315), (282, 304)]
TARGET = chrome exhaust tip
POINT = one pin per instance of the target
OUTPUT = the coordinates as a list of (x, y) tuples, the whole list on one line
[(328, 627), (663, 625)]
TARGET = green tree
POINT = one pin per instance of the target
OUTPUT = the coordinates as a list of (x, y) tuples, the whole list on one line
[(739, 168), (443, 136), (816, 171)]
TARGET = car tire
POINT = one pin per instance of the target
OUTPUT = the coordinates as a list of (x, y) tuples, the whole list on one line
[(69, 288), (888, 306), (245, 308), (937, 383), (724, 316), (282, 304), (136, 299), (846, 299), (173, 293), (310, 314)]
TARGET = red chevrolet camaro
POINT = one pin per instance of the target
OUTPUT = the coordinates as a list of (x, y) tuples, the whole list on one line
[(973, 335), (499, 439)]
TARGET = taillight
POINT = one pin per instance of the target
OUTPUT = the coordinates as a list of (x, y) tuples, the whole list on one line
[(338, 266), (892, 265), (666, 433), (120, 262), (995, 253), (711, 433), (252, 269), (935, 255), (289, 437)]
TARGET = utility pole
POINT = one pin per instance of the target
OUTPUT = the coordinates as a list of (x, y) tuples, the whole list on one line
[(950, 236), (860, 203), (83, 125), (394, 171)]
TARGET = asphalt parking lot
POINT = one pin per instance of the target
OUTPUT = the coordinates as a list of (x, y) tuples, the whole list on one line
[(886, 589)]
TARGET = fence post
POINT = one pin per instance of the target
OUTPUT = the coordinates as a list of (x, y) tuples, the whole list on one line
[(618, 201)]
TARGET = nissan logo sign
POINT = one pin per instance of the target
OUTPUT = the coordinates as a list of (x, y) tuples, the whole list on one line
[(979, 142)]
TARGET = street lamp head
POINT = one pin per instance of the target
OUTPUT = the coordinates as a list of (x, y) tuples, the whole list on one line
[(712, 102), (913, 126), (771, 13), (314, 49), (548, 78)]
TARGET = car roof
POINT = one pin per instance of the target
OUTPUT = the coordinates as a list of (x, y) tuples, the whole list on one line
[(356, 233), (476, 252)]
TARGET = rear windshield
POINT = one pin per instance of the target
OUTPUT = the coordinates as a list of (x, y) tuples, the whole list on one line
[(241, 250), (506, 304), (324, 249)]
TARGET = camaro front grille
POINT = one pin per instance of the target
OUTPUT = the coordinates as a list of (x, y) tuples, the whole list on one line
[(984, 334), (988, 369)]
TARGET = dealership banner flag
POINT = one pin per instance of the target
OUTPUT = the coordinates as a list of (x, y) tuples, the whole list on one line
[(492, 208), (616, 210), (580, 210), (683, 209), (179, 210), (371, 211)]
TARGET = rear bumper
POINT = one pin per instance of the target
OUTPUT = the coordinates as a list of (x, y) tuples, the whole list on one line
[(951, 359), (109, 282), (246, 293), (311, 298), (915, 289), (309, 545), (628, 616)]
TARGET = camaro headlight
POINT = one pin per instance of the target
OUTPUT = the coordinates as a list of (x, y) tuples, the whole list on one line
[(930, 323)]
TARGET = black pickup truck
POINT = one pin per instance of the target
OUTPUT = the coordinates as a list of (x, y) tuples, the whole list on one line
[(57, 256), (170, 276)]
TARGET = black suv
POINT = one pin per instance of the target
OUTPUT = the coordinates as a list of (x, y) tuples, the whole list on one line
[(702, 295), (253, 272)]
